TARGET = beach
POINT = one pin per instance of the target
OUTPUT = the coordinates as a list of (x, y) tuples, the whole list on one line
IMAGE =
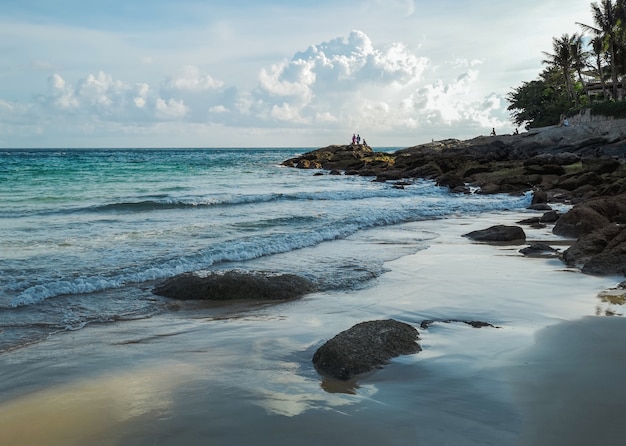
[(548, 371)]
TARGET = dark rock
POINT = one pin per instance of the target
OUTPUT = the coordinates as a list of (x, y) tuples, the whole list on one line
[(539, 250), (498, 233), (539, 207), (579, 221), (612, 259), (476, 324), (530, 221), (600, 165), (540, 197), (593, 214), (235, 285), (365, 346), (590, 245), (550, 217), (546, 169)]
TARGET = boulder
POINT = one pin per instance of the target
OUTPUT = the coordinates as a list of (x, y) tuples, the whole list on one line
[(364, 347), (235, 285), (550, 217), (540, 197), (612, 259), (579, 221), (498, 233), (591, 215), (589, 245)]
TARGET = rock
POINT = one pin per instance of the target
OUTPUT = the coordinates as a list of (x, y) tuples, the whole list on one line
[(612, 259), (235, 285), (579, 221), (476, 324), (540, 197), (590, 245), (365, 346), (539, 207), (530, 221), (550, 217), (498, 233), (539, 250), (591, 215), (600, 165), (546, 169)]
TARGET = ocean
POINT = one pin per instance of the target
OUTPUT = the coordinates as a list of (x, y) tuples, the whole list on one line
[(79, 226), (89, 355)]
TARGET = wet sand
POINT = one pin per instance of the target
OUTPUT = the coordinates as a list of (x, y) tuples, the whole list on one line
[(549, 374)]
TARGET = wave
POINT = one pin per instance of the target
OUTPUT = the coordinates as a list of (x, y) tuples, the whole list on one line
[(252, 247), (166, 202)]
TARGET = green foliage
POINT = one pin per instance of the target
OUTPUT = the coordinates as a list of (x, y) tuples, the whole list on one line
[(541, 102), (614, 109)]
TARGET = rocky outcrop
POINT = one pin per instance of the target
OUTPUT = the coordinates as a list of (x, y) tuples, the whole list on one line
[(364, 347), (571, 163), (498, 233), (235, 285)]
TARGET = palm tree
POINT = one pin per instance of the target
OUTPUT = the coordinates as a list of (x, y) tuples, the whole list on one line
[(598, 49), (563, 60), (607, 24), (579, 56)]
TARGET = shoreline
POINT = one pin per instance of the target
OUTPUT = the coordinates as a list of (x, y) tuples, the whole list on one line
[(133, 381)]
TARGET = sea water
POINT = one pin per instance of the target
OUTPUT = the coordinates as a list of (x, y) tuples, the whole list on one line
[(84, 234)]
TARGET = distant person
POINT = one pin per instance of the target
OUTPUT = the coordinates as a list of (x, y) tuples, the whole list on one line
[(516, 132), (493, 131), (358, 139), (364, 143), (354, 138), (566, 122)]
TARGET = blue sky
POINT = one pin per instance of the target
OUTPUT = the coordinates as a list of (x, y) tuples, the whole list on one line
[(277, 73)]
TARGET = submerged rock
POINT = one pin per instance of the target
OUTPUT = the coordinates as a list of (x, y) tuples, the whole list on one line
[(498, 233), (235, 285), (539, 250), (365, 346), (476, 324)]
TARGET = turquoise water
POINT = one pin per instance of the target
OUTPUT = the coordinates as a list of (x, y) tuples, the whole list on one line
[(80, 228)]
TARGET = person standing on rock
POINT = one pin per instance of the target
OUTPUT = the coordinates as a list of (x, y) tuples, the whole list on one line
[(353, 138), (358, 139)]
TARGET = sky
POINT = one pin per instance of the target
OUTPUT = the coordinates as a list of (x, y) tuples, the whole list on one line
[(267, 73)]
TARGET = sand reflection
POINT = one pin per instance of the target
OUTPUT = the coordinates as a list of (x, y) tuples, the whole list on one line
[(80, 412)]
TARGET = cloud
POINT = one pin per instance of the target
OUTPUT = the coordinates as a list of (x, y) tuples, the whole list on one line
[(189, 78), (341, 85), (171, 109)]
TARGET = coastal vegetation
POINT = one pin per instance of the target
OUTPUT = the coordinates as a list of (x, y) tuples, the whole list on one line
[(585, 70)]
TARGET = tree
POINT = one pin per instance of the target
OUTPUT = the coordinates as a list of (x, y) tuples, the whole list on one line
[(607, 24), (563, 60), (541, 102), (598, 50)]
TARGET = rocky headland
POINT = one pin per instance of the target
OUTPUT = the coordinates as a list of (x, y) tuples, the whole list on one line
[(567, 163)]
